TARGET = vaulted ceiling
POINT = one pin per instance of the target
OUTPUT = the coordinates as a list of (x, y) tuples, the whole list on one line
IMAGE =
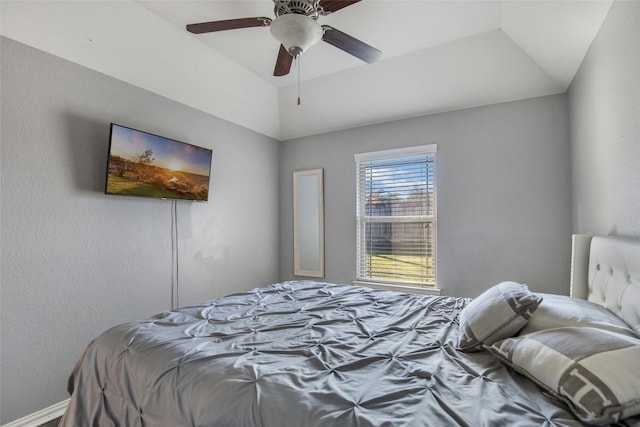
[(437, 55)]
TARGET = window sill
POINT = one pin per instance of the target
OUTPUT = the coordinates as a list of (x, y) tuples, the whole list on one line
[(400, 288)]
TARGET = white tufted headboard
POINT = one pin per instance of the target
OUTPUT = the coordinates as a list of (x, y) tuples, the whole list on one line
[(606, 271)]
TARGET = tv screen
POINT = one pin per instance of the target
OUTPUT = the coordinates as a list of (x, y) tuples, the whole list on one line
[(148, 165)]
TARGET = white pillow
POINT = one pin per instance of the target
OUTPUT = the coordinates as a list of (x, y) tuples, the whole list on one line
[(594, 371), (497, 313), (558, 311)]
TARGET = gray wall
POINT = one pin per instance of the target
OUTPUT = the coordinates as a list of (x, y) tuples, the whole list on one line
[(604, 102), (74, 261), (503, 193)]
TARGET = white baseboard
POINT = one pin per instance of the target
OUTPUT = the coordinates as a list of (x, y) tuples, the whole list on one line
[(42, 416)]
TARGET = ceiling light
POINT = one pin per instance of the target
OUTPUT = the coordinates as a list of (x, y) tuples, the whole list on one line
[(296, 32)]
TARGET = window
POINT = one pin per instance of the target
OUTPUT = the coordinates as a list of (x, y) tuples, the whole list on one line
[(396, 214)]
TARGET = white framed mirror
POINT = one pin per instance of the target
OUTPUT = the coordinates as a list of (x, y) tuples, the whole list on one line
[(308, 223)]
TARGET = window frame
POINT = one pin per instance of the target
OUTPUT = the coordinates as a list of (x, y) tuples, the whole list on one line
[(361, 218)]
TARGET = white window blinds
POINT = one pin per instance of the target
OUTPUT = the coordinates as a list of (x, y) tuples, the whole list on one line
[(396, 214)]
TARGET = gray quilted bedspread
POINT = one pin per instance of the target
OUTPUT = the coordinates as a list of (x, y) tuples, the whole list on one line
[(302, 354)]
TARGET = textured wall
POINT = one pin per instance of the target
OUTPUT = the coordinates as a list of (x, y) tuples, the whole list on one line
[(604, 100), (503, 193), (74, 261)]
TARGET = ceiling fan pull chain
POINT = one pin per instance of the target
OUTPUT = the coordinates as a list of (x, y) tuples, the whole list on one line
[(298, 65)]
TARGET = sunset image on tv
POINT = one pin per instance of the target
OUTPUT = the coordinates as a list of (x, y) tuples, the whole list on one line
[(143, 164)]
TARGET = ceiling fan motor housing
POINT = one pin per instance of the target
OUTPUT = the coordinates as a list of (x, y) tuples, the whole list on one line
[(308, 8)]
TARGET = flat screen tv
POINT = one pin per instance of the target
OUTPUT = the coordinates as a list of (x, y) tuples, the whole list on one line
[(148, 165)]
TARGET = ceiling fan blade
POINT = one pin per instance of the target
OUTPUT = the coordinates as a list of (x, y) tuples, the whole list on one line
[(283, 63), (229, 24), (330, 6), (351, 45)]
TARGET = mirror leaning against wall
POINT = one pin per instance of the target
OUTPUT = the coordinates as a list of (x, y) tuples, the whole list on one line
[(308, 223)]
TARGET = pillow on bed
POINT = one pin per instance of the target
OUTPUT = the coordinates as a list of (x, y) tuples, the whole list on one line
[(594, 370), (558, 311), (497, 313)]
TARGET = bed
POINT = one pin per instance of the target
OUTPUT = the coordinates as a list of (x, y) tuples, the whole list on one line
[(309, 353)]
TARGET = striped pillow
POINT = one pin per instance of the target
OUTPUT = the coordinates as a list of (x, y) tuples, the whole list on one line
[(497, 313), (593, 370)]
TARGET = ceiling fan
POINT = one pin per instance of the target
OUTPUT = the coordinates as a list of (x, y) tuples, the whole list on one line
[(296, 28)]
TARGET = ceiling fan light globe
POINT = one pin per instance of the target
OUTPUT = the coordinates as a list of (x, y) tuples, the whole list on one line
[(296, 33)]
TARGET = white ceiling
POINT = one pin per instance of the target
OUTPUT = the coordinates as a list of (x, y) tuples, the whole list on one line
[(437, 55)]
